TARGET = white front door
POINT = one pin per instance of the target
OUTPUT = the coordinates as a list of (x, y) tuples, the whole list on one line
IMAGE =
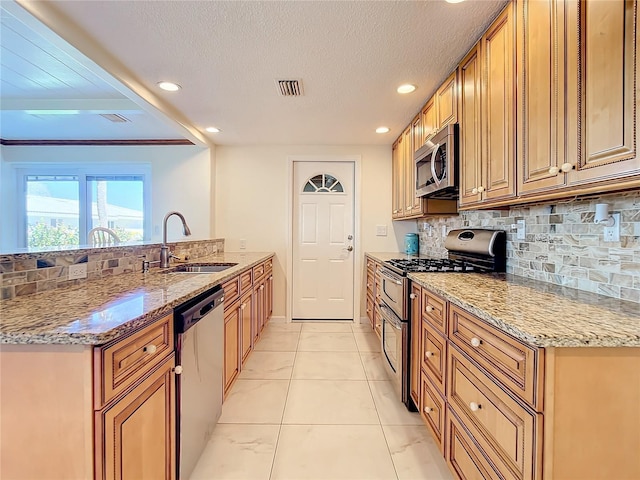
[(323, 228)]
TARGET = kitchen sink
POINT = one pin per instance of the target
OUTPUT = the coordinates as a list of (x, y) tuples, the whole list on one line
[(201, 268)]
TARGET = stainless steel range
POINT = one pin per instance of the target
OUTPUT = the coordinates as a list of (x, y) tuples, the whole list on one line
[(469, 251)]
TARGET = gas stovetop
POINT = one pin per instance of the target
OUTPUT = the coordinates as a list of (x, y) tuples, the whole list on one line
[(431, 265)]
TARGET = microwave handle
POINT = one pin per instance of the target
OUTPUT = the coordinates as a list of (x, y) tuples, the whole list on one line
[(432, 164)]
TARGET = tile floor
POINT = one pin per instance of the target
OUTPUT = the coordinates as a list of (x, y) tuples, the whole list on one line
[(313, 402)]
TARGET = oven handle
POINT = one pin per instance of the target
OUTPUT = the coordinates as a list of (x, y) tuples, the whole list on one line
[(390, 316), (391, 276)]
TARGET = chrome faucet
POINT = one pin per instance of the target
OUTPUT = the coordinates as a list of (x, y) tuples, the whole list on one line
[(165, 254)]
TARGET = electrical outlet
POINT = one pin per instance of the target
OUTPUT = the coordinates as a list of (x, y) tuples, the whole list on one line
[(520, 230), (444, 230), (381, 230), (612, 234), (78, 270), (243, 244)]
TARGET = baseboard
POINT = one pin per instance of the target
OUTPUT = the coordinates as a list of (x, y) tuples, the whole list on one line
[(277, 319), (364, 320)]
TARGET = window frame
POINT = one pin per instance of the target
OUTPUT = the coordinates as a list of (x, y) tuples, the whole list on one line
[(81, 171)]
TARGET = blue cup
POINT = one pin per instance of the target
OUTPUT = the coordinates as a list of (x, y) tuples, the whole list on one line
[(411, 244)]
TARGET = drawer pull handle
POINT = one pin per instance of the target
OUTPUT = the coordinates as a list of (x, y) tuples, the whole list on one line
[(413, 296), (178, 369), (476, 342), (428, 409), (368, 285), (428, 354), (475, 406), (150, 349), (429, 308), (243, 306)]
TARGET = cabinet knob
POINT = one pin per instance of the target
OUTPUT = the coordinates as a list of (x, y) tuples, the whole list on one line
[(261, 287), (566, 167), (428, 409), (480, 189), (428, 354), (368, 285), (474, 190), (428, 309), (476, 342), (177, 369), (150, 349), (413, 296), (368, 310), (475, 406), (395, 211), (243, 306), (409, 207), (554, 171)]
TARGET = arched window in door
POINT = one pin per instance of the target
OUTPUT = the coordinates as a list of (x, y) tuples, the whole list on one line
[(323, 183)]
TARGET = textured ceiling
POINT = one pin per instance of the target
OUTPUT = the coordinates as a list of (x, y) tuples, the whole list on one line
[(350, 55)]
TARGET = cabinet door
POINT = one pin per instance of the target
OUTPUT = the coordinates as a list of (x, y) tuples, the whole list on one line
[(416, 352), (135, 437), (602, 47), (409, 175), (470, 75), (429, 119), (397, 179), (417, 134), (498, 104), (245, 319), (269, 297), (231, 345), (447, 102), (541, 116)]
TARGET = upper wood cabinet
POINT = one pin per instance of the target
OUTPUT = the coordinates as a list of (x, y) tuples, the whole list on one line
[(447, 102), (602, 90), (411, 202), (429, 121), (488, 71), (397, 178)]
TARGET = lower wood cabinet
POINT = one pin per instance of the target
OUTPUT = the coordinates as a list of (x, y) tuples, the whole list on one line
[(246, 307), (415, 334), (432, 410), (135, 437), (231, 344)]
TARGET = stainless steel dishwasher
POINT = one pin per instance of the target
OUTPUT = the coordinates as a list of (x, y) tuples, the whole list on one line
[(199, 326)]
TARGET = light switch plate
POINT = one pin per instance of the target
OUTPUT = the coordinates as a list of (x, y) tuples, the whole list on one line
[(612, 234), (381, 230), (243, 244), (77, 271), (520, 230)]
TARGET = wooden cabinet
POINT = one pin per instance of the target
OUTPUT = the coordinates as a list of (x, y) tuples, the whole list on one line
[(245, 325), (429, 121), (397, 179), (411, 202), (446, 100), (268, 286), (487, 76), (432, 410), (370, 289), (415, 335), (135, 436), (231, 344)]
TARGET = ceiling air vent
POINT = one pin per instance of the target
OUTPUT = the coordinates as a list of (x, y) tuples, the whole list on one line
[(289, 88), (114, 117)]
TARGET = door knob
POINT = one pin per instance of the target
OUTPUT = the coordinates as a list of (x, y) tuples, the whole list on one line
[(350, 248), (350, 237)]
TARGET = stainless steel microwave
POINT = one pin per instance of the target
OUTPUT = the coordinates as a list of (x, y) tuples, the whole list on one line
[(437, 164)]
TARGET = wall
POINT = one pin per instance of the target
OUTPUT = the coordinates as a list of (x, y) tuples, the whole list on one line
[(251, 191), (182, 179), (562, 246)]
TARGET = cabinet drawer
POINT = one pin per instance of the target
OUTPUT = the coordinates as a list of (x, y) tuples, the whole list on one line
[(515, 364), (434, 311), (121, 363), (258, 272), (463, 455), (434, 356), (504, 428), (432, 410), (268, 266), (246, 281), (231, 291)]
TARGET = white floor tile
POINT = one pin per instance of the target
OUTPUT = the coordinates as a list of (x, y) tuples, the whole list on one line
[(362, 327), (255, 401), (373, 366), (268, 365), (391, 410), (274, 341), (328, 326), (243, 452), (367, 342), (328, 366), (332, 452), (327, 342), (282, 327), (334, 402), (415, 454)]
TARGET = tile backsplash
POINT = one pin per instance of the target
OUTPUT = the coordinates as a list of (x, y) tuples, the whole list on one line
[(27, 273), (563, 245)]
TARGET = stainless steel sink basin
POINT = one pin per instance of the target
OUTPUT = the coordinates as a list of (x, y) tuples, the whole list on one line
[(202, 268)]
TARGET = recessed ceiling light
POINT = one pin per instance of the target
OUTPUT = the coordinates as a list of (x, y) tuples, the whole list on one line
[(212, 130), (382, 129), (169, 86), (454, 1), (406, 88)]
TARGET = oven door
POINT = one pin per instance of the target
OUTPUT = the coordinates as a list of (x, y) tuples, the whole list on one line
[(392, 333), (392, 292)]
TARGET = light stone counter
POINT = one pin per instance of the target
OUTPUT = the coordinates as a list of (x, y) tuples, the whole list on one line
[(541, 314), (99, 311)]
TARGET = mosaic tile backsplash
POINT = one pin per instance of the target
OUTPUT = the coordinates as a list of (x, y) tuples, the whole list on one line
[(563, 245), (27, 273)]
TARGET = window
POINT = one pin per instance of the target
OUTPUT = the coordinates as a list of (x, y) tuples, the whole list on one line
[(59, 208), (323, 183)]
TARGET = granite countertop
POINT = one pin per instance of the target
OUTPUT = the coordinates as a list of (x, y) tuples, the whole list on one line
[(538, 313), (99, 311)]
